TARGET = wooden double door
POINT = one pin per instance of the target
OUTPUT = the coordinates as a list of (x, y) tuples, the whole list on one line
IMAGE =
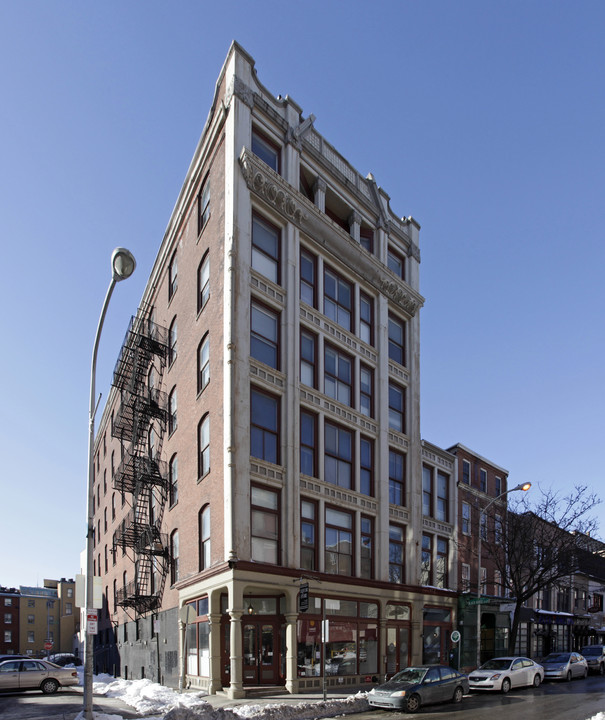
[(261, 649)]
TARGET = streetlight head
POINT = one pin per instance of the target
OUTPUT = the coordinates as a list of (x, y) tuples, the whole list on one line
[(122, 264), (522, 486)]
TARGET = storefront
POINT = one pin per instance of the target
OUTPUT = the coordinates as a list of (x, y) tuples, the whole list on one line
[(267, 641)]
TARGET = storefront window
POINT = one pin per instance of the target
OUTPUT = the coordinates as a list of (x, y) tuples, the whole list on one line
[(198, 640), (341, 607), (368, 648), (398, 612), (368, 610), (341, 650), (309, 647), (351, 647)]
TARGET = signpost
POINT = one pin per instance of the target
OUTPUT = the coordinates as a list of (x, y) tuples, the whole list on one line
[(455, 638), (92, 624), (48, 645)]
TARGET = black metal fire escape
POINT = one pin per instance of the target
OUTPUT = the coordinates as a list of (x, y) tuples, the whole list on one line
[(140, 423)]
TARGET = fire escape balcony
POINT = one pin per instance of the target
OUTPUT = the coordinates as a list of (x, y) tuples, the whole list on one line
[(139, 410), (144, 340), (138, 596), (138, 470)]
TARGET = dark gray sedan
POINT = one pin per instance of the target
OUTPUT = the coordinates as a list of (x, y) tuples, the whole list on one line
[(420, 685)]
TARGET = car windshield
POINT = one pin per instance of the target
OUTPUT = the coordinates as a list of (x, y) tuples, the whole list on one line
[(410, 674), (592, 651), (556, 658), (496, 664)]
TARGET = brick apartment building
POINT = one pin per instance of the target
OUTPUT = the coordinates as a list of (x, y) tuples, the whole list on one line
[(35, 616), (479, 483), (263, 429)]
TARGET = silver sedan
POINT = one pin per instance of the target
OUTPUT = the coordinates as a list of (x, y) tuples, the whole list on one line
[(35, 675), (564, 666)]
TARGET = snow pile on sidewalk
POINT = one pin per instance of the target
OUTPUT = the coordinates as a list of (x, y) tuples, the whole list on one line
[(274, 711), (157, 702)]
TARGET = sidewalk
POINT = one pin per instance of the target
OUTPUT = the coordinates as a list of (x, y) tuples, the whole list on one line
[(260, 697)]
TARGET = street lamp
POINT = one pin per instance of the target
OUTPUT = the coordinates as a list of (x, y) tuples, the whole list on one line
[(482, 511), (122, 267)]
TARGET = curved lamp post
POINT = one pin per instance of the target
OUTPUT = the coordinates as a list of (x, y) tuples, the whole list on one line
[(482, 511), (122, 267)]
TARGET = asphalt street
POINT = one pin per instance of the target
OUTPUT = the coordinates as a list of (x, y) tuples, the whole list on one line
[(578, 700)]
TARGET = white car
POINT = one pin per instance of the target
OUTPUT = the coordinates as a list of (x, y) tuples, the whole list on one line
[(503, 673)]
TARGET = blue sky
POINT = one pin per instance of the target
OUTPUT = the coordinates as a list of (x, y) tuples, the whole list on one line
[(482, 120)]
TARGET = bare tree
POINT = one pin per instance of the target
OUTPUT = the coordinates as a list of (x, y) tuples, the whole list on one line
[(537, 545)]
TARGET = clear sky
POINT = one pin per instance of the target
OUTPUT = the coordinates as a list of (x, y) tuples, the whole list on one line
[(483, 120)]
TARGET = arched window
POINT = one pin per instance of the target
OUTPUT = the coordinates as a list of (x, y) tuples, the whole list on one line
[(173, 475), (203, 205), (172, 336), (203, 363), (203, 446), (174, 556), (172, 277), (203, 282), (204, 537), (172, 405)]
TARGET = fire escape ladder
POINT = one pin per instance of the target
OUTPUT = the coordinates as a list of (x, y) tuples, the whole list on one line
[(141, 421)]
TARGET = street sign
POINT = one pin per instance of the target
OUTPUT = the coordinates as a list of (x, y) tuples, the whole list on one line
[(48, 645), (303, 597), (455, 636), (92, 625), (478, 601)]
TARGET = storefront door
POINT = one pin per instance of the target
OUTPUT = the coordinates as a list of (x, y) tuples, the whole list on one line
[(260, 643), (397, 649)]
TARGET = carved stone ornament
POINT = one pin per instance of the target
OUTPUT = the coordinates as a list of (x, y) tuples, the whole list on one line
[(242, 91), (265, 186), (414, 251), (398, 295)]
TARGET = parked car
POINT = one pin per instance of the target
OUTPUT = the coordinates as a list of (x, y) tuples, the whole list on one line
[(564, 666), (35, 675), (595, 657), (414, 687), (13, 657), (504, 673), (64, 659)]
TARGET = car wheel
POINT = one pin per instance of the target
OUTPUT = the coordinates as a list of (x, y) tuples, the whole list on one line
[(458, 695), (601, 669), (505, 685), (585, 673), (49, 686), (413, 704), (537, 680), (569, 676)]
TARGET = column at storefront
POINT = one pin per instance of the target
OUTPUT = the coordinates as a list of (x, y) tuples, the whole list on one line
[(214, 621), (417, 638), (382, 642), (236, 686), (291, 652)]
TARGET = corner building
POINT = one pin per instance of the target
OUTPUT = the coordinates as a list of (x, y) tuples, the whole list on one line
[(264, 428)]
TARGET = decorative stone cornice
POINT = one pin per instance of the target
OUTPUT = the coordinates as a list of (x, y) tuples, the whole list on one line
[(242, 91), (262, 181), (400, 296)]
